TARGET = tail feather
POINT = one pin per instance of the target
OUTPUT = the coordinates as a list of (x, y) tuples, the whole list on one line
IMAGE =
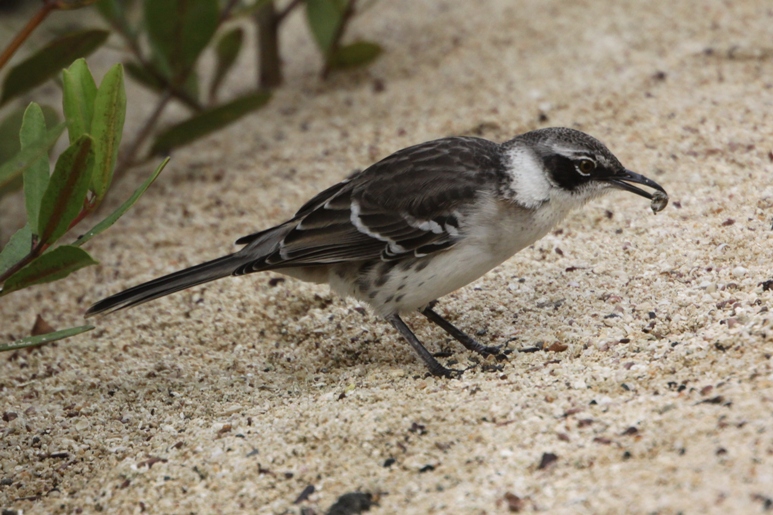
[(199, 274)]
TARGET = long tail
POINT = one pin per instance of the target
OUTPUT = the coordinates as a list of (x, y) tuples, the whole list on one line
[(199, 274)]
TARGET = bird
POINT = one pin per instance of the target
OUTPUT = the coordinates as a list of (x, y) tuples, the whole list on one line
[(422, 223)]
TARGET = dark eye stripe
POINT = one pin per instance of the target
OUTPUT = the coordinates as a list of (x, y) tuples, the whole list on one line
[(564, 171)]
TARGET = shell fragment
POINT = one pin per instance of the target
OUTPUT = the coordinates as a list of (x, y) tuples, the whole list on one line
[(659, 201)]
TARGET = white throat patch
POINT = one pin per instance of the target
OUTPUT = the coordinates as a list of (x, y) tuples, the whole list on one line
[(529, 183)]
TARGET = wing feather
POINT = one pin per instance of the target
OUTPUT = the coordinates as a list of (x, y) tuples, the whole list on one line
[(413, 202)]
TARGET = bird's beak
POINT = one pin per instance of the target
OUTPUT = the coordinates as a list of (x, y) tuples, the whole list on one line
[(622, 179)]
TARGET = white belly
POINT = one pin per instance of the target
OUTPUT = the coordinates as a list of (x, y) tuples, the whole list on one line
[(502, 230), (492, 235)]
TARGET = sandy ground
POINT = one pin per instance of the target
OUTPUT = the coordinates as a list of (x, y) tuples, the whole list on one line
[(236, 396)]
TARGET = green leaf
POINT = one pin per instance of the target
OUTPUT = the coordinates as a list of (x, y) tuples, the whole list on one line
[(11, 125), (33, 129), (191, 85), (107, 128), (118, 213), (114, 11), (227, 50), (154, 79), (325, 17), (353, 55), (66, 191), (208, 121), (51, 266), (9, 134), (49, 60), (79, 91), (16, 249), (179, 30), (32, 341), (18, 164), (144, 76), (9, 146), (244, 11), (9, 141)]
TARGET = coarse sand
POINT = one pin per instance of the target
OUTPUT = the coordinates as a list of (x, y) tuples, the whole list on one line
[(653, 391)]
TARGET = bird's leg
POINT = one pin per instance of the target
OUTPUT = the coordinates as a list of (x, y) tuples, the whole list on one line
[(468, 341), (434, 366)]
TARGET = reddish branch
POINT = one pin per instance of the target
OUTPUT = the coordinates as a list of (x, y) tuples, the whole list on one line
[(21, 37)]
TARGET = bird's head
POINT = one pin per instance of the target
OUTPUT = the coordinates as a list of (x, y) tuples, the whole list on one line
[(566, 163)]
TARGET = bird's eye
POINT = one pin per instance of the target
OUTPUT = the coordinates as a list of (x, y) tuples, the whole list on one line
[(586, 166)]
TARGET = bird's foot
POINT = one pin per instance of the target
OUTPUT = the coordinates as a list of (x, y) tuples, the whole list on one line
[(468, 341)]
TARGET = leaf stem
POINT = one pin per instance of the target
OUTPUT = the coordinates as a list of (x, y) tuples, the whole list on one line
[(281, 15), (134, 47), (336, 44), (24, 33), (36, 251), (269, 63), (127, 158), (225, 14), (39, 247), (268, 20)]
